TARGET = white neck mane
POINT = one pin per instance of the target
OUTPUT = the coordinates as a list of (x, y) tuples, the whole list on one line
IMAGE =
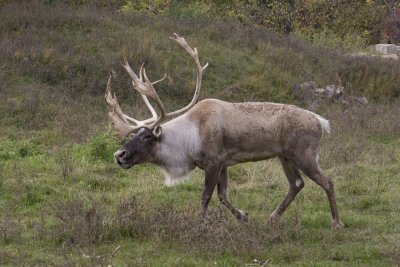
[(179, 144)]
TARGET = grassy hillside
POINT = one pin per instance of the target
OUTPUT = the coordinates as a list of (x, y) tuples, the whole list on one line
[(55, 57), (64, 202)]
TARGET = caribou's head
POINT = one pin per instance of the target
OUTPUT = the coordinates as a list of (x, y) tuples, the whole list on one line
[(147, 133), (139, 149)]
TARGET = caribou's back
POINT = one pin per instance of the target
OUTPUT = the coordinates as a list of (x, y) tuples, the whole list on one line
[(251, 130)]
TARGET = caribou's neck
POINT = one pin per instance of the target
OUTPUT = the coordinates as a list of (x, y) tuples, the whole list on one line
[(179, 145)]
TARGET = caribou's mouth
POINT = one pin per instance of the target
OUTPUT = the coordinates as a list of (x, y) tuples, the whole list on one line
[(124, 165)]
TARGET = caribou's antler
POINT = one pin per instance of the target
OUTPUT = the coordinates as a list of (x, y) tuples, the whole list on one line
[(195, 55), (118, 119), (143, 85)]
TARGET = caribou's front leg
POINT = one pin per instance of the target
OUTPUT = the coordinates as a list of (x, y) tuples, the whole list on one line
[(211, 179), (222, 187)]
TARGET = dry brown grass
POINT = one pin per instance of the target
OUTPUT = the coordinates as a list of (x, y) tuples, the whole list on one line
[(83, 226), (79, 225), (360, 130), (216, 234)]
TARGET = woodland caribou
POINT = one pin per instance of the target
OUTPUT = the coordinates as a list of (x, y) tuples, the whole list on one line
[(214, 135)]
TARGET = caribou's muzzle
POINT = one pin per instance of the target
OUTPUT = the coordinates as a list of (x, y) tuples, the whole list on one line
[(123, 158)]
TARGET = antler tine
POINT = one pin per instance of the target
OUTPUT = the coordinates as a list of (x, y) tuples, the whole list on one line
[(195, 55), (152, 93), (141, 72), (192, 51), (146, 101), (160, 80), (150, 107), (118, 119), (144, 87), (153, 83)]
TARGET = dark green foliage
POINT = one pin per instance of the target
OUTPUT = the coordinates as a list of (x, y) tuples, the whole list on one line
[(339, 19)]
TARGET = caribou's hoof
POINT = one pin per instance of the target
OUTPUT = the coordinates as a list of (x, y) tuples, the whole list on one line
[(242, 216), (337, 225), (273, 218)]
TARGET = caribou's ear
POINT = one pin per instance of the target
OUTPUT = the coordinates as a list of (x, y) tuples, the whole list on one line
[(157, 131)]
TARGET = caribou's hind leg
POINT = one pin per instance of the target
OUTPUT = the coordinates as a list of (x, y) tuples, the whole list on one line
[(307, 161), (295, 185), (222, 187)]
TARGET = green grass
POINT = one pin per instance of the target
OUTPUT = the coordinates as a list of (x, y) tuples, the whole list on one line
[(80, 217)]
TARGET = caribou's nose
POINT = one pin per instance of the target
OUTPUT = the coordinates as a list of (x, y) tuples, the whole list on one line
[(120, 155)]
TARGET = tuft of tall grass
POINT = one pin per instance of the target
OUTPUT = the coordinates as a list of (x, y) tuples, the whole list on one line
[(360, 131)]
